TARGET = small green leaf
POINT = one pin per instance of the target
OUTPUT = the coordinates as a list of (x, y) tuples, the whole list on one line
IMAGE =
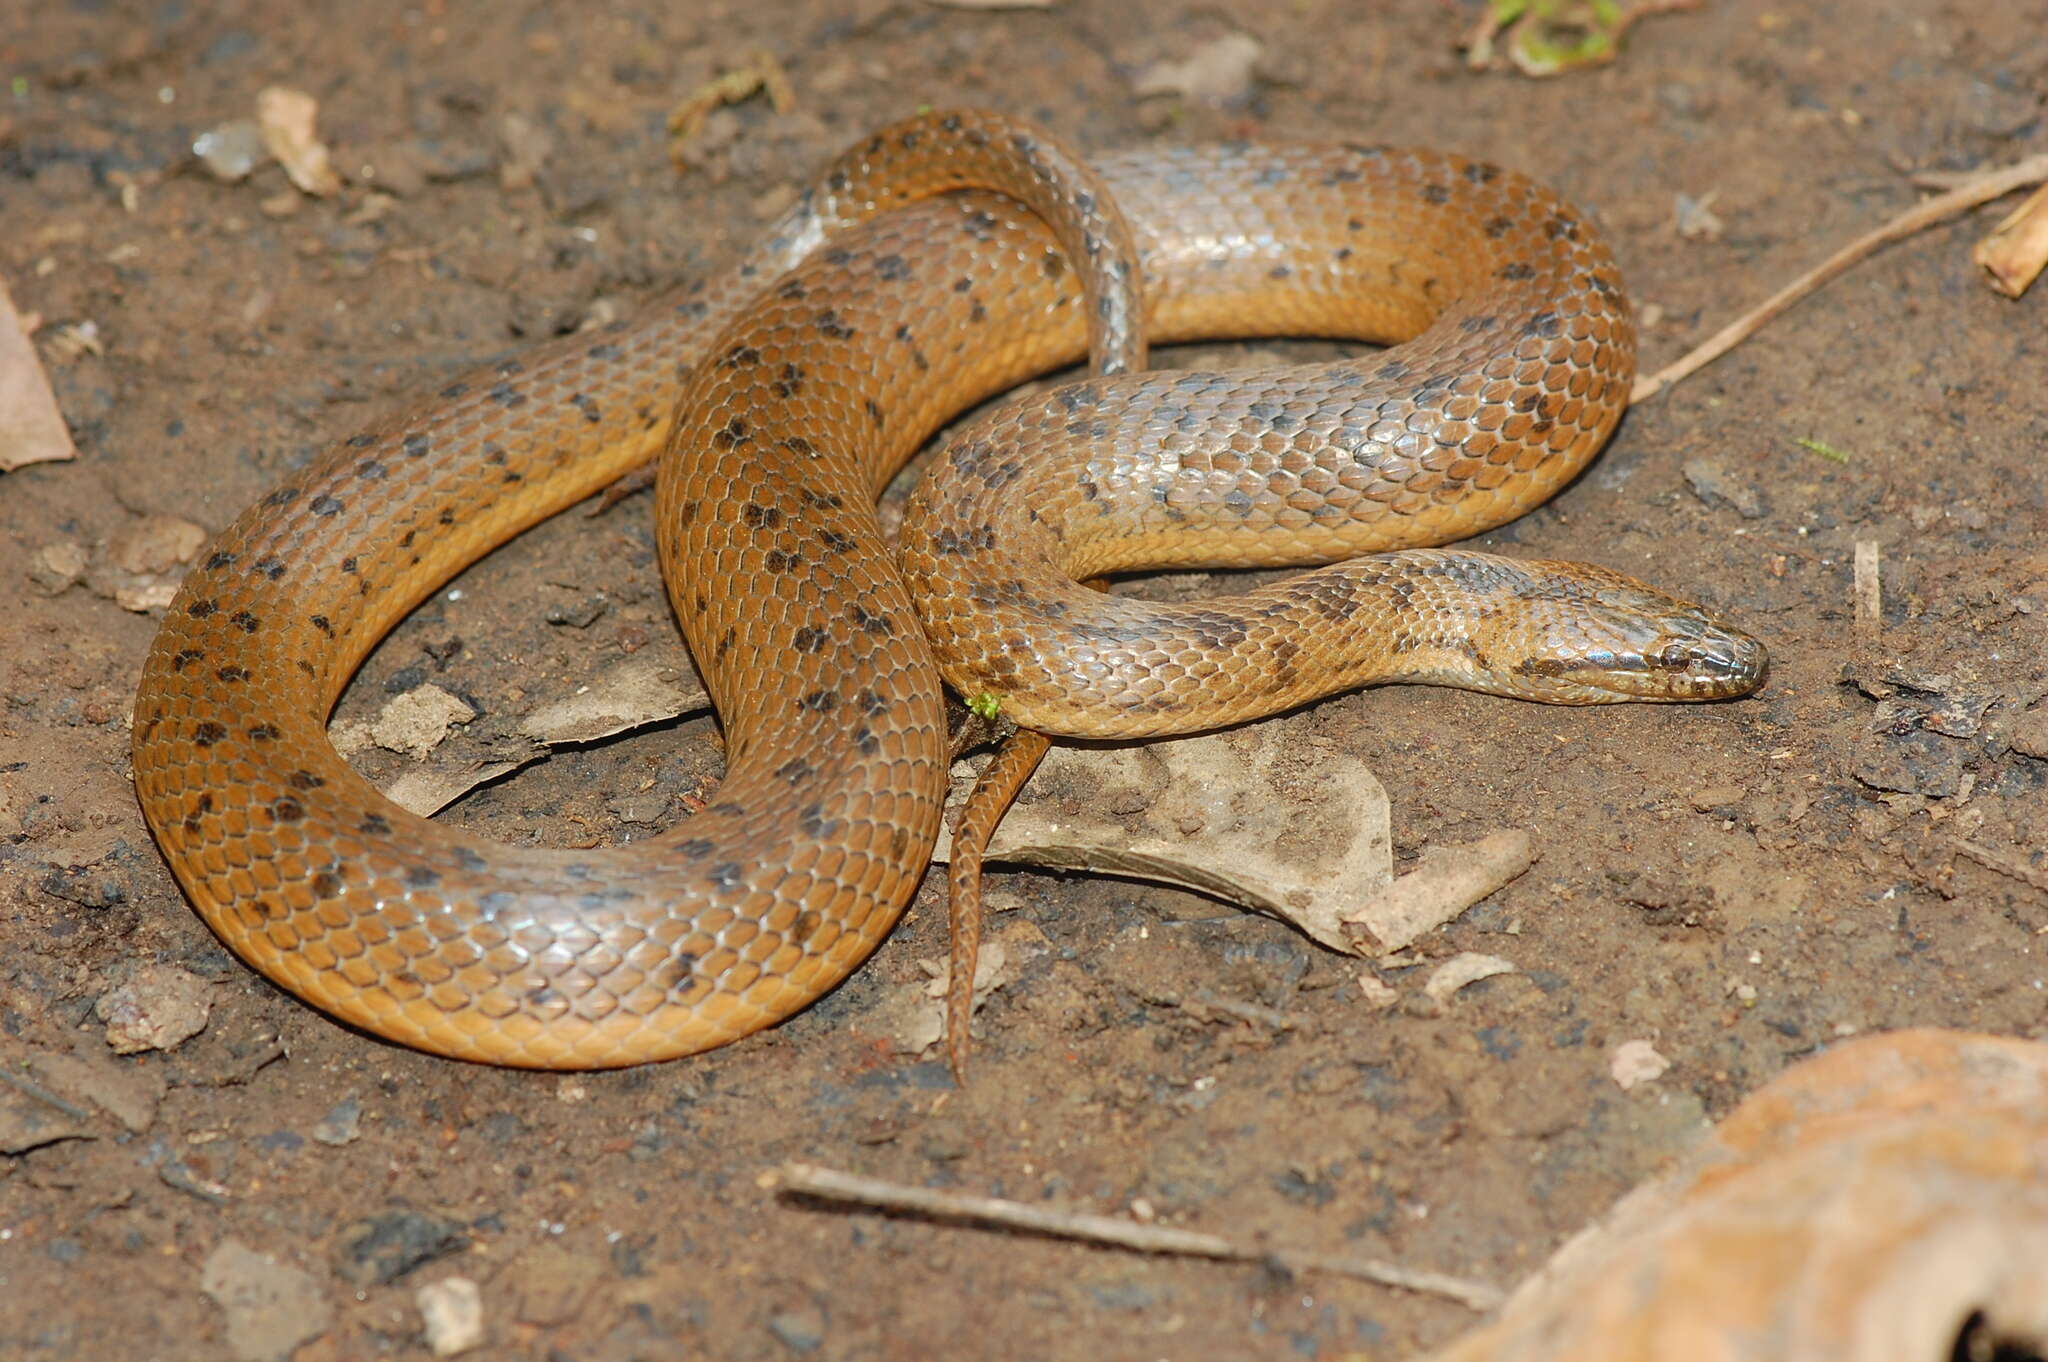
[(986, 704), (1826, 451)]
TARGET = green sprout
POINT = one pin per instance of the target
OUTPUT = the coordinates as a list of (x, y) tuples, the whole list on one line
[(987, 704), (1826, 451)]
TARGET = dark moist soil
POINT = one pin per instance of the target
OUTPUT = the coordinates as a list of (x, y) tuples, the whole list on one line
[(1738, 884)]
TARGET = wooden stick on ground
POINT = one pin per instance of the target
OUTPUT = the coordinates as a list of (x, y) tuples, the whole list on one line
[(1983, 189), (832, 1185)]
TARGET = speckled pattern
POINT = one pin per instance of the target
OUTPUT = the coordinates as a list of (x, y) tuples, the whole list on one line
[(791, 420), (1522, 372)]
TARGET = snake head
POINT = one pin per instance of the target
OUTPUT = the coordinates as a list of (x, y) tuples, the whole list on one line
[(1608, 638)]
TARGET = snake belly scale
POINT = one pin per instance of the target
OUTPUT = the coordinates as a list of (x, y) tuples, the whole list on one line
[(796, 405)]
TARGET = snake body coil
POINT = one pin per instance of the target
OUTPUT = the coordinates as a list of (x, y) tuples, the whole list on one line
[(792, 417)]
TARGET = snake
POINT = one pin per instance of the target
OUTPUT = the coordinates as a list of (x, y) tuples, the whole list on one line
[(781, 396)]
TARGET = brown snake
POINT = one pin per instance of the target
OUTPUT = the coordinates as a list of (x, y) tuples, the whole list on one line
[(797, 405)]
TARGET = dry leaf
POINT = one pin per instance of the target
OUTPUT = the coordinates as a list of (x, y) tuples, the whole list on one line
[(32, 430), (1885, 1201)]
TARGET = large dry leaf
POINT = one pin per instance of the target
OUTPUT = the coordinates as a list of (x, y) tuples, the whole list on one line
[(1886, 1201)]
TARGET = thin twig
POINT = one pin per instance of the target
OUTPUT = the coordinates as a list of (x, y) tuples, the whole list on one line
[(44, 1095), (832, 1185), (1983, 189)]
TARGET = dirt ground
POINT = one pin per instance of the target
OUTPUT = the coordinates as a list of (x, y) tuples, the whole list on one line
[(1737, 884)]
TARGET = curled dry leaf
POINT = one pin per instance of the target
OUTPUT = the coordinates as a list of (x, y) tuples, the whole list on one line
[(1466, 967), (1885, 1201), (1446, 882), (2017, 248)]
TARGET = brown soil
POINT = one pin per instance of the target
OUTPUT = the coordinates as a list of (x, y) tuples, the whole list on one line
[(1737, 883)]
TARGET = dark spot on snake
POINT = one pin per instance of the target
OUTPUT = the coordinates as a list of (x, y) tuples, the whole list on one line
[(829, 324), (206, 733), (733, 433), (231, 675), (874, 410), (950, 123), (792, 289), (285, 809), (1561, 226), (813, 497), (508, 367), (756, 516), (962, 284), (810, 639), (245, 621), (1474, 325), (729, 808), (794, 771), (348, 564), (263, 733), (1545, 324), (686, 514), (798, 445), (1391, 370), (447, 516), (834, 541), (725, 642), (741, 355), (327, 885), (363, 441), (819, 702), (497, 901), (199, 610), (374, 825), (304, 780), (604, 350), (186, 656), (283, 496), (864, 739), (406, 541), (838, 182), (454, 390), (695, 848), (323, 624), (869, 621), (269, 567), (421, 877), (725, 875), (791, 382), (695, 309), (1436, 193), (1516, 270), (1480, 173), (1089, 491), (977, 314), (1280, 272), (219, 561), (585, 403), (326, 505), (892, 267), (1003, 474), (505, 395), (837, 255), (305, 666), (871, 702)]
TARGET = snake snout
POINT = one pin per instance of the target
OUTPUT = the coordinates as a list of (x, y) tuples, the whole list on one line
[(1712, 661)]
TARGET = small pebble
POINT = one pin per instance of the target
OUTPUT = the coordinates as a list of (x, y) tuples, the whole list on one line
[(453, 1311)]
